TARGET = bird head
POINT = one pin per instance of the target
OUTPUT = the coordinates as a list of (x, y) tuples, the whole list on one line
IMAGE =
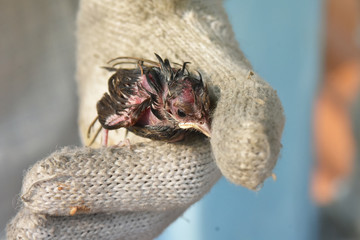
[(188, 102)]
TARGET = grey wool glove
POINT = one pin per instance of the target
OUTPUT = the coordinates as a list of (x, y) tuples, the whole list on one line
[(122, 193)]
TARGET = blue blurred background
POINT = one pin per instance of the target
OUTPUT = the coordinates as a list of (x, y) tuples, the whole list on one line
[(282, 40)]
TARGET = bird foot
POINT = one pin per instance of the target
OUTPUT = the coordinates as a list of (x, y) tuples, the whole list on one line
[(124, 143)]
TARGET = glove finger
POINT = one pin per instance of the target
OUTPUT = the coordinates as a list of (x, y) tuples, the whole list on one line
[(250, 117), (120, 225), (152, 175)]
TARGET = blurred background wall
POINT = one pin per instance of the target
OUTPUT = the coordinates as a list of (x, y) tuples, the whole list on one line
[(38, 103), (38, 111)]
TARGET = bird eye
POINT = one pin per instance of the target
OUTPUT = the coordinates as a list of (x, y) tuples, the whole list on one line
[(181, 113)]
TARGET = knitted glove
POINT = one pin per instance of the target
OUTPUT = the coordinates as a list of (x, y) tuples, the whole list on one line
[(122, 193)]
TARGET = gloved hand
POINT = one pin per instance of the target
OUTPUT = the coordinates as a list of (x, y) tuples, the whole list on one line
[(122, 193)]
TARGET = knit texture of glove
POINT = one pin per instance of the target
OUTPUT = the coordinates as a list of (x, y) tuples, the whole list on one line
[(118, 193)]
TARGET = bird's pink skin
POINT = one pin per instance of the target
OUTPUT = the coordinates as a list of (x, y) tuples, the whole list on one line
[(146, 118), (105, 137), (132, 100)]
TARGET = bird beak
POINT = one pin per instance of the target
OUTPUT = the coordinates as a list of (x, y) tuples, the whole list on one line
[(203, 128)]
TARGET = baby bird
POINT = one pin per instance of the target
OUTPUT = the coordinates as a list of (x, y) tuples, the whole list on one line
[(155, 101)]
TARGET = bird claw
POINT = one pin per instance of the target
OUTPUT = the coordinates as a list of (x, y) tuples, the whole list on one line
[(124, 143)]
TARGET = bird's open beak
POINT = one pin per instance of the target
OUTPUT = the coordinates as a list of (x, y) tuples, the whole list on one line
[(204, 128)]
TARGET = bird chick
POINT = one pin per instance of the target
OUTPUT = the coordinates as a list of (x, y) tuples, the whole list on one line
[(155, 101)]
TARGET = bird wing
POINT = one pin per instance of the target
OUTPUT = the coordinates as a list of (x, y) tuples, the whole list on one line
[(126, 101)]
